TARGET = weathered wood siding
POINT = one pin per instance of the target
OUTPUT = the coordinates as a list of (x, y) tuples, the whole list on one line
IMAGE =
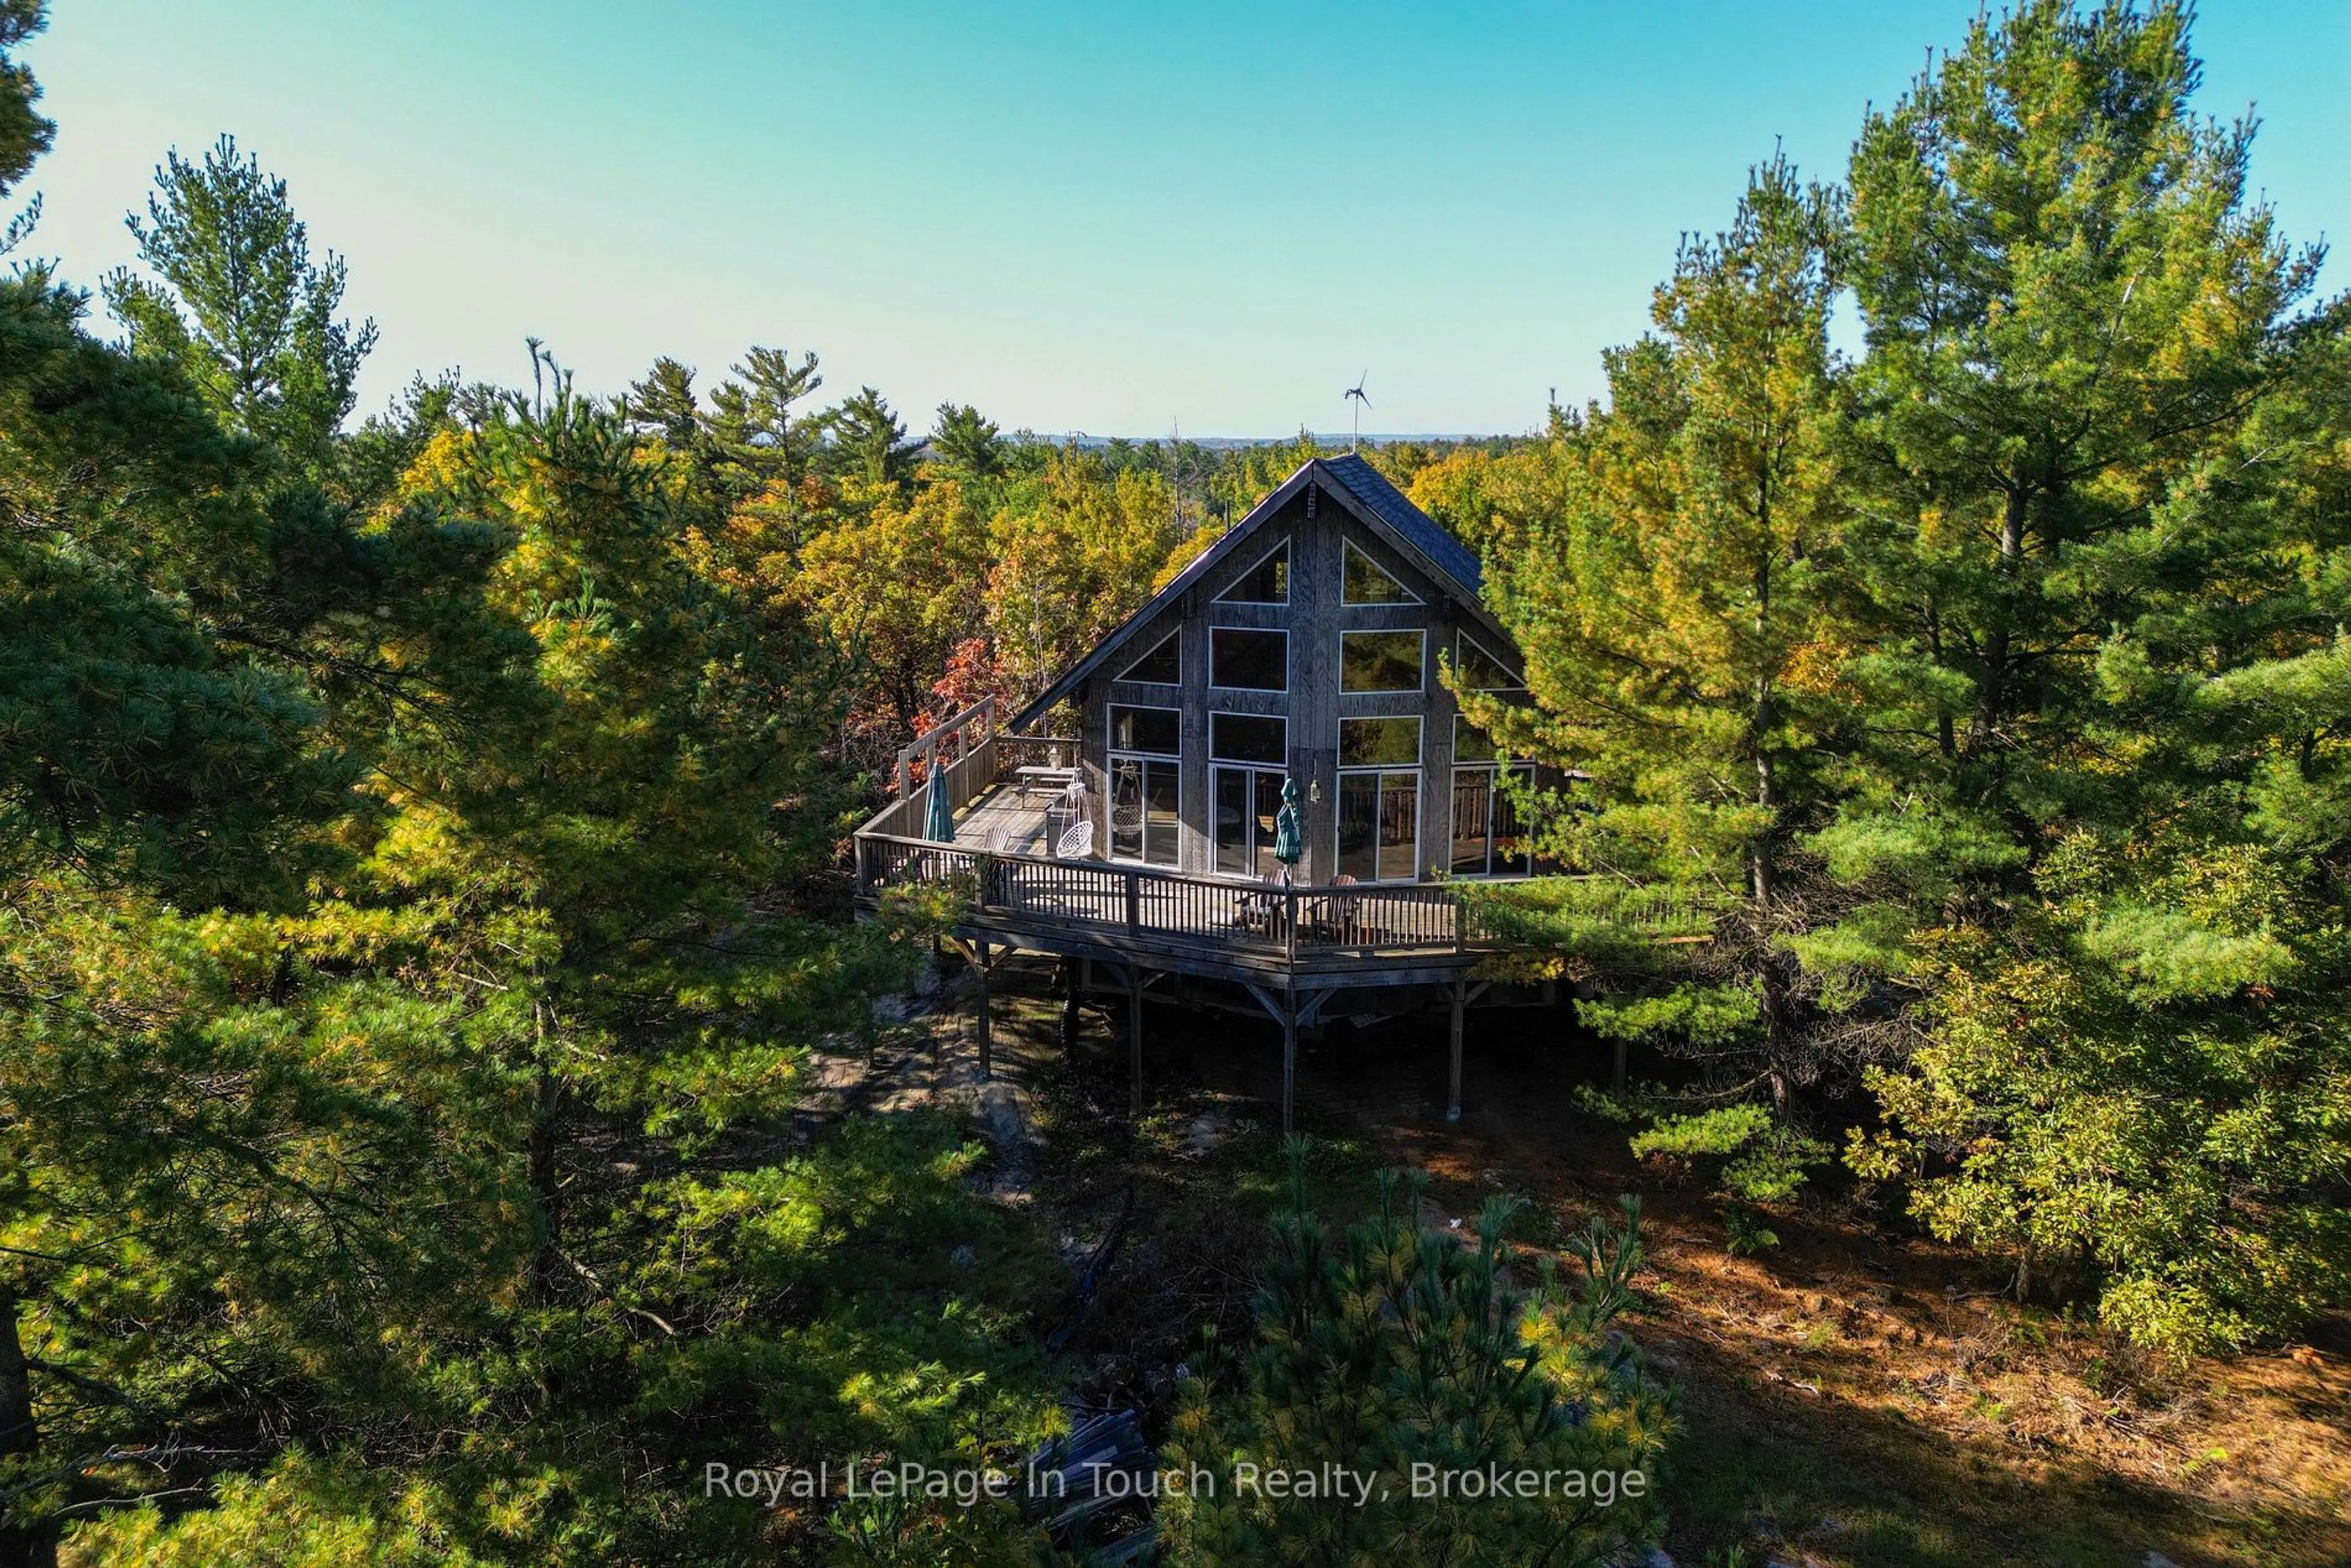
[(1317, 527)]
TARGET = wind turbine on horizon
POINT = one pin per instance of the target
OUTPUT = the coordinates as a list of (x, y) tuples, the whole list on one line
[(1357, 403)]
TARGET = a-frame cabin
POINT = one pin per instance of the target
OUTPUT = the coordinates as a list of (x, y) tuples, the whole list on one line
[(1138, 843), (1303, 645)]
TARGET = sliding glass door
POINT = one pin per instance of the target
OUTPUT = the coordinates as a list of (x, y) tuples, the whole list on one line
[(1379, 825), (1142, 805), (1487, 837), (1248, 800)]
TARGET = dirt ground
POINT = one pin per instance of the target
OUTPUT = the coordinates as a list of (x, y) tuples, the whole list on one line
[(1855, 1396)]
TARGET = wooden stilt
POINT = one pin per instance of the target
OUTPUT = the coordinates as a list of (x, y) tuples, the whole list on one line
[(1288, 1057), (986, 1052), (1135, 1041), (1453, 1083), (1616, 1076)]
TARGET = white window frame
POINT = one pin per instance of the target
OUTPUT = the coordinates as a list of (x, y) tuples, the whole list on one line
[(1493, 771), (1420, 744), (1420, 672), (1287, 673), (1248, 770), (1174, 636), (1110, 732), (1409, 596), (1281, 549), (1281, 718), (1419, 785), (1114, 754)]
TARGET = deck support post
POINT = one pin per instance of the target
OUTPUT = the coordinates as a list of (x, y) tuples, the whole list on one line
[(987, 1045), (1616, 1074), (1288, 1057), (1460, 998), (1135, 1041)]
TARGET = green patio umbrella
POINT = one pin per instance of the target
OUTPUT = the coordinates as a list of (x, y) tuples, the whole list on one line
[(1289, 836), (938, 817)]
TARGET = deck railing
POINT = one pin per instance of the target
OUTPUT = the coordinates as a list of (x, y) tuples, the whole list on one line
[(975, 755), (1309, 926), (1329, 928)]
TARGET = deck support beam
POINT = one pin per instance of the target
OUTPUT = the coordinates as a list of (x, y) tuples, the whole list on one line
[(1294, 1012), (986, 1040), (1135, 1041), (1460, 998), (1288, 1057)]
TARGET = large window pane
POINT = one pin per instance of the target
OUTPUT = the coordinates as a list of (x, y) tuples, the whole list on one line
[(1362, 581), (1162, 664), (1473, 796), (1478, 670), (1234, 821), (1157, 730), (1247, 738), (1142, 825), (1126, 808), (1359, 813), (1399, 827), (1379, 826), (1241, 659), (1488, 838), (1379, 660), (1160, 823), (1513, 847), (1248, 800), (1368, 742), (1471, 744), (1269, 808), (1266, 582)]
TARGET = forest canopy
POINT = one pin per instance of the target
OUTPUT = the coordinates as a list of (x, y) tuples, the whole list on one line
[(422, 839)]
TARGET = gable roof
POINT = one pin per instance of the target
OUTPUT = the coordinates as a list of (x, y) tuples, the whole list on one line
[(1368, 496), (1390, 505)]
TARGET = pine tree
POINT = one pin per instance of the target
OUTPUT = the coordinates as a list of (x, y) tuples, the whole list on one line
[(236, 302), (1676, 608), (968, 446), (1404, 1353), (2091, 420), (869, 440)]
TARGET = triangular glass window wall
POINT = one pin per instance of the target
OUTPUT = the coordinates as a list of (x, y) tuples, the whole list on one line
[(1266, 582), (1163, 665), (1362, 580)]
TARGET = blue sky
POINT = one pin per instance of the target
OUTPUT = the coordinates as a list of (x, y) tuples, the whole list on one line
[(1107, 217)]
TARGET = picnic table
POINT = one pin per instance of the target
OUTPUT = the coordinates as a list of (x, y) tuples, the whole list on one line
[(1037, 777)]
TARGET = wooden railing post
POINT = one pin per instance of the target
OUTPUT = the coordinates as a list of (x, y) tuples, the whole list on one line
[(1134, 903)]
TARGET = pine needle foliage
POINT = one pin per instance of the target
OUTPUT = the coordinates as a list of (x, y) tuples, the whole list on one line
[(1398, 1350)]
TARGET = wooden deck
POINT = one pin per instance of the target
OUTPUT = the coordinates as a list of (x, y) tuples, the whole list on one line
[(1194, 925), (1012, 820), (1018, 894), (1291, 949)]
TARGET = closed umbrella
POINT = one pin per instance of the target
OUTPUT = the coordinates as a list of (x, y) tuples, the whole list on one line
[(938, 817), (1289, 836)]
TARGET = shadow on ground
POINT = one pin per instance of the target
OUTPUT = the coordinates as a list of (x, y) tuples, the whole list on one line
[(1857, 1397)]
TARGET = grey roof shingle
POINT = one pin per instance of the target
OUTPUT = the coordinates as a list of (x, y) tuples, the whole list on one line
[(1370, 487)]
